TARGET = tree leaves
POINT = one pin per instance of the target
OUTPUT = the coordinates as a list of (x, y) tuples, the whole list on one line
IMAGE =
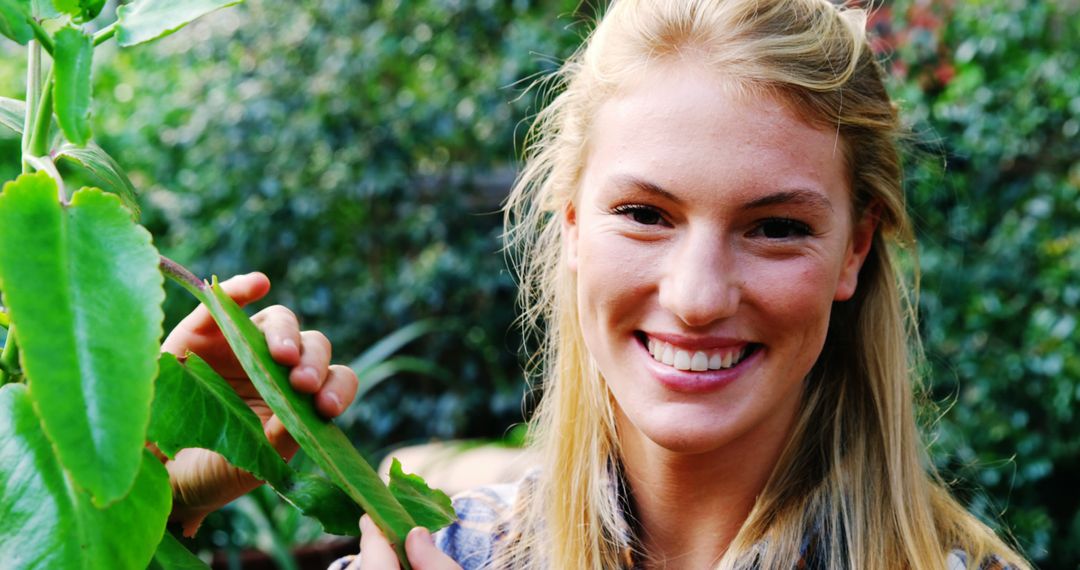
[(73, 53), (83, 290), (146, 20), (46, 521)]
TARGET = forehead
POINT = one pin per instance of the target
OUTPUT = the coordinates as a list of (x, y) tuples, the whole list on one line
[(680, 126)]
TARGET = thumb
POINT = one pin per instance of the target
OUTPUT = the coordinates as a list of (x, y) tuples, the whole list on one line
[(424, 555)]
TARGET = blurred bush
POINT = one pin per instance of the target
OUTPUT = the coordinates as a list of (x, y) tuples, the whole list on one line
[(357, 153), (993, 92)]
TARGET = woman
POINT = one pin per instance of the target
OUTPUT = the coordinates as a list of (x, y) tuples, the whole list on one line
[(704, 227)]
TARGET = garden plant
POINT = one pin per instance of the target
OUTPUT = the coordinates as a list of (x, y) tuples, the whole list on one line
[(84, 387)]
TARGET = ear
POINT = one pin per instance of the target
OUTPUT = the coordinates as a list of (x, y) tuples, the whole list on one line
[(570, 236), (861, 240)]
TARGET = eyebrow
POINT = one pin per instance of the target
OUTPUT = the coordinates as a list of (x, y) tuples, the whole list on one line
[(797, 196)]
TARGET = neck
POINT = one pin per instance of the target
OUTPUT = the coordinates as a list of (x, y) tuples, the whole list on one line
[(690, 507)]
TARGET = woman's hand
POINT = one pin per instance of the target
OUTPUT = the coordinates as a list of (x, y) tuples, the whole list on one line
[(202, 480), (377, 554)]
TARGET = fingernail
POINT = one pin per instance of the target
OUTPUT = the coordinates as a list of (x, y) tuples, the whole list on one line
[(424, 534), (335, 400)]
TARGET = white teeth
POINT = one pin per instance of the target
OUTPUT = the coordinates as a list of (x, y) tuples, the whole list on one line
[(699, 362)]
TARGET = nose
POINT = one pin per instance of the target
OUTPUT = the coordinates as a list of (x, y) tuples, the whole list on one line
[(700, 283)]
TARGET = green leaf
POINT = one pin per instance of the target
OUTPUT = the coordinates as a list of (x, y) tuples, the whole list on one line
[(80, 10), (431, 508), (320, 499), (82, 287), (320, 439), (107, 172), (47, 522), (146, 20), (195, 407), (171, 555), (12, 113), (73, 54), (13, 22)]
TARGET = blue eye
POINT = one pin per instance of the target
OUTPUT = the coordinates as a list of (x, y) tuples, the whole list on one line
[(783, 228), (644, 215)]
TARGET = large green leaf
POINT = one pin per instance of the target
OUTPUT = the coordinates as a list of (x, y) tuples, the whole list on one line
[(47, 522), (171, 555), (73, 54), (107, 172), (13, 23), (195, 407), (146, 20), (82, 287), (12, 113)]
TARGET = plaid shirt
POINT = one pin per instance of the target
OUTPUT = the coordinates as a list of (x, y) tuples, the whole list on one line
[(484, 517)]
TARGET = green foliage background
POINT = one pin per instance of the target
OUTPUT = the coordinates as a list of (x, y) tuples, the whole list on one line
[(357, 153)]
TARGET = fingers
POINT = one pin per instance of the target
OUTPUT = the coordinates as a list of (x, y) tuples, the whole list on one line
[(280, 438), (194, 332), (375, 551), (424, 555), (337, 392), (309, 373), (282, 331)]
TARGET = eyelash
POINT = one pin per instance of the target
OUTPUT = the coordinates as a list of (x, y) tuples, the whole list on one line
[(799, 229), (633, 210)]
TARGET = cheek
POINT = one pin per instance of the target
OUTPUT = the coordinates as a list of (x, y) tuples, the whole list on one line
[(796, 294), (614, 279)]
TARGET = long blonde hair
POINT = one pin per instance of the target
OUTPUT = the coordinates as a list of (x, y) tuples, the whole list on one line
[(854, 469)]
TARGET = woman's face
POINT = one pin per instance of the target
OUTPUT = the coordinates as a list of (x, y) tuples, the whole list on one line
[(710, 237)]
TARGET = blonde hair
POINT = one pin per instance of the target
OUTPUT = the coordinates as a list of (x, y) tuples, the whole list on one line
[(854, 469)]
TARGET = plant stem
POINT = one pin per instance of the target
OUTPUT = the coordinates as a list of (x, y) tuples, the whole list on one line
[(41, 35), (33, 93), (182, 276), (105, 33), (39, 145)]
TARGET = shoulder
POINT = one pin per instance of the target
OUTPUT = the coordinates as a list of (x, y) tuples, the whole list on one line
[(484, 519)]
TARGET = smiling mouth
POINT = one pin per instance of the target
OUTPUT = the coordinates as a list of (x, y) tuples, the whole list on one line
[(697, 360)]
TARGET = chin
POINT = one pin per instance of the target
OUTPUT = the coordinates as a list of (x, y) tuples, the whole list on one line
[(684, 432)]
